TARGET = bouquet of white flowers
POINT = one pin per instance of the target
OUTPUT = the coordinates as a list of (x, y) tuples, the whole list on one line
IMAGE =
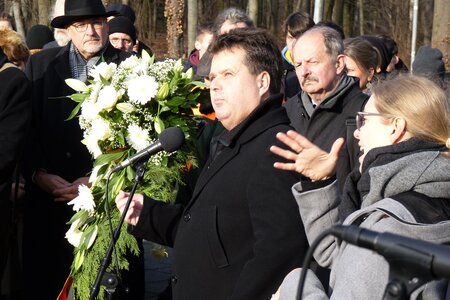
[(123, 110)]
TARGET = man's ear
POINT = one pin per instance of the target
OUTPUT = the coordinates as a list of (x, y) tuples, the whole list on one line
[(263, 81), (399, 132), (340, 64)]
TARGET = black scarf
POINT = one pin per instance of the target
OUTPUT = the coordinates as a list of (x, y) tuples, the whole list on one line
[(357, 184)]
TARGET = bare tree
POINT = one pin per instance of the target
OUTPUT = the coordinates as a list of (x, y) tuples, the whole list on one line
[(174, 13), (43, 8), (441, 29), (253, 10), (192, 17)]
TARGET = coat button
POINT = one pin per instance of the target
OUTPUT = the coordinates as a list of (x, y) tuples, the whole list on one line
[(68, 155), (174, 279), (187, 217)]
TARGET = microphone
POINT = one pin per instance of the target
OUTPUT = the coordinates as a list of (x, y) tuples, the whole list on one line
[(171, 139), (417, 257)]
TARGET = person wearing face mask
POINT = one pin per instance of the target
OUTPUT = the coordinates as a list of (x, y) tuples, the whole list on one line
[(403, 185)]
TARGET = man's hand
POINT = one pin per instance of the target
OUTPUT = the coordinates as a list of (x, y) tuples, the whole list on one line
[(308, 159), (70, 192), (49, 182), (135, 209)]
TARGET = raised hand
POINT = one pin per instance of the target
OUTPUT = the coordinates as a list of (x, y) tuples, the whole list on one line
[(307, 159)]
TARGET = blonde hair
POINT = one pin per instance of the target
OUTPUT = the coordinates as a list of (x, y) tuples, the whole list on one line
[(14, 47), (419, 101)]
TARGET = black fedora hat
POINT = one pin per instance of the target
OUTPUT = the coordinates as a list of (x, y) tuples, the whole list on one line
[(76, 10)]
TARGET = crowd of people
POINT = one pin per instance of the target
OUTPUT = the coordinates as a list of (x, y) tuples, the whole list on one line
[(328, 130)]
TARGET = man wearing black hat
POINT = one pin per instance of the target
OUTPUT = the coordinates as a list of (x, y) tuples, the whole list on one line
[(122, 34), (56, 162)]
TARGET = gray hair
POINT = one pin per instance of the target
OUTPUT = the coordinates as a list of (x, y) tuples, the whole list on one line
[(334, 45), (233, 15)]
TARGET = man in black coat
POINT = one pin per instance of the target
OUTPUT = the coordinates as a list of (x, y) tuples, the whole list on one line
[(57, 162), (240, 233)]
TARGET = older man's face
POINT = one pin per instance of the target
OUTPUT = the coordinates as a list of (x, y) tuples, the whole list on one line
[(89, 36), (317, 72)]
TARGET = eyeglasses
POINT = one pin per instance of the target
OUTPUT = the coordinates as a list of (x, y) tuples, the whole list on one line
[(82, 27), (361, 117)]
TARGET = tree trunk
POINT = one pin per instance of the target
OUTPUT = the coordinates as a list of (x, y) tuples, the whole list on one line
[(328, 10), (253, 10), (361, 16), (18, 17), (441, 30), (192, 17), (338, 11), (43, 8), (173, 11)]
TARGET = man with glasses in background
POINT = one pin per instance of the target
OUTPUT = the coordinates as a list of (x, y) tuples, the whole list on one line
[(56, 162)]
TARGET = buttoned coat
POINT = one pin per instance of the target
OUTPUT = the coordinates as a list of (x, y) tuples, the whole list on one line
[(240, 233)]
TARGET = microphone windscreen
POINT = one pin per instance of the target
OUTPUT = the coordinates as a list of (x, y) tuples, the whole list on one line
[(171, 139)]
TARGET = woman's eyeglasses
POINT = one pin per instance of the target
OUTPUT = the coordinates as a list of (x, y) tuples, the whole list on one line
[(361, 117)]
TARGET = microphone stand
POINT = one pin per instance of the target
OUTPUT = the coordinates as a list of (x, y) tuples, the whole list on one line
[(103, 277), (405, 274)]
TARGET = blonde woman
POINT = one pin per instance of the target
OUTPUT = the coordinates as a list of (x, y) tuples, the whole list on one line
[(402, 186)]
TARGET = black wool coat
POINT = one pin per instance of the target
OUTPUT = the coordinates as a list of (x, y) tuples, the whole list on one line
[(241, 232), (15, 113)]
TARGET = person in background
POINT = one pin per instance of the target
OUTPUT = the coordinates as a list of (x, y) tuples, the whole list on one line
[(125, 10), (37, 37), (238, 235), (56, 162), (202, 41), (386, 55), (294, 26), (15, 115), (228, 19), (334, 26), (122, 34), (429, 62), (362, 60), (61, 38), (396, 64), (7, 21), (403, 185)]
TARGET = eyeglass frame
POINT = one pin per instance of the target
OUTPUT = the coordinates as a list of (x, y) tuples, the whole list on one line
[(361, 117), (95, 24)]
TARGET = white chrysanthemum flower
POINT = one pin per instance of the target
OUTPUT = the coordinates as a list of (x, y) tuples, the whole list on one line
[(137, 137), (103, 70), (91, 142), (89, 111), (94, 175), (142, 89), (84, 200), (107, 98)]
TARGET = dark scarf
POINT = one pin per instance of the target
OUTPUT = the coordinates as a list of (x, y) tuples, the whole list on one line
[(357, 184)]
